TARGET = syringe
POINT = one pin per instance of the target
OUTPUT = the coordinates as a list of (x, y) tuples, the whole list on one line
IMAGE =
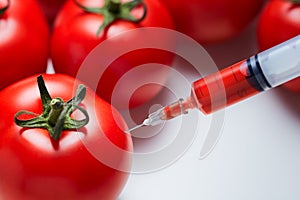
[(244, 79)]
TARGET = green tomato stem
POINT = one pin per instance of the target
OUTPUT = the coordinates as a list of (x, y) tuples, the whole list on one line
[(57, 106), (114, 10), (2, 10), (113, 6), (56, 113), (295, 1)]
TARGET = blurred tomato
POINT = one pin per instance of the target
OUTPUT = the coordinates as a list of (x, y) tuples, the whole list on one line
[(209, 21), (76, 33), (51, 8), (279, 21), (24, 41)]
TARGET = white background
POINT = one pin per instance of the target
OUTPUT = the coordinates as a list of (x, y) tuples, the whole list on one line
[(257, 156)]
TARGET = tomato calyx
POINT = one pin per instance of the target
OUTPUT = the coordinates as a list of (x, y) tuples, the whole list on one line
[(56, 113), (3, 9), (295, 1), (114, 10)]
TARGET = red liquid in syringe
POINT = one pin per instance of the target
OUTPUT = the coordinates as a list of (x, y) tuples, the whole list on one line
[(261, 72), (225, 87), (217, 91)]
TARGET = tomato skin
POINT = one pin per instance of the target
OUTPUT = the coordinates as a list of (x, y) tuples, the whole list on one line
[(279, 21), (74, 36), (35, 167), (50, 8), (215, 20), (24, 41)]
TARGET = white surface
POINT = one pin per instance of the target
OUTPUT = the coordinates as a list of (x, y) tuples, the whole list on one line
[(257, 156)]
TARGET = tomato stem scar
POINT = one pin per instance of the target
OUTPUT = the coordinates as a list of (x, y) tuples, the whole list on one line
[(114, 10), (3, 9), (56, 113)]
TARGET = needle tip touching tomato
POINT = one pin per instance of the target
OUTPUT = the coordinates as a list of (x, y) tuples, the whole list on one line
[(82, 163), (278, 22)]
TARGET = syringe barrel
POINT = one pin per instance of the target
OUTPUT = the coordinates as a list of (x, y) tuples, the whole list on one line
[(260, 72), (281, 63), (225, 87)]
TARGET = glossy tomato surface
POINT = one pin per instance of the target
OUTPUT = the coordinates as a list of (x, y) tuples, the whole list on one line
[(33, 166), (215, 20), (24, 41), (75, 35), (279, 21)]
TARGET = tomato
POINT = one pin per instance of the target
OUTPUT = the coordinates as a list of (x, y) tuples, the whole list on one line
[(215, 20), (76, 33), (24, 41), (51, 8), (279, 21), (66, 165)]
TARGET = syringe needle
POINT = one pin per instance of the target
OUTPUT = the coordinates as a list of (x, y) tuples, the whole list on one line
[(168, 112), (152, 120), (135, 127)]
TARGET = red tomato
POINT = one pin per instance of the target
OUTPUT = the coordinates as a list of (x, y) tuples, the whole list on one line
[(75, 35), (24, 41), (279, 21), (51, 8), (35, 166), (215, 20)]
